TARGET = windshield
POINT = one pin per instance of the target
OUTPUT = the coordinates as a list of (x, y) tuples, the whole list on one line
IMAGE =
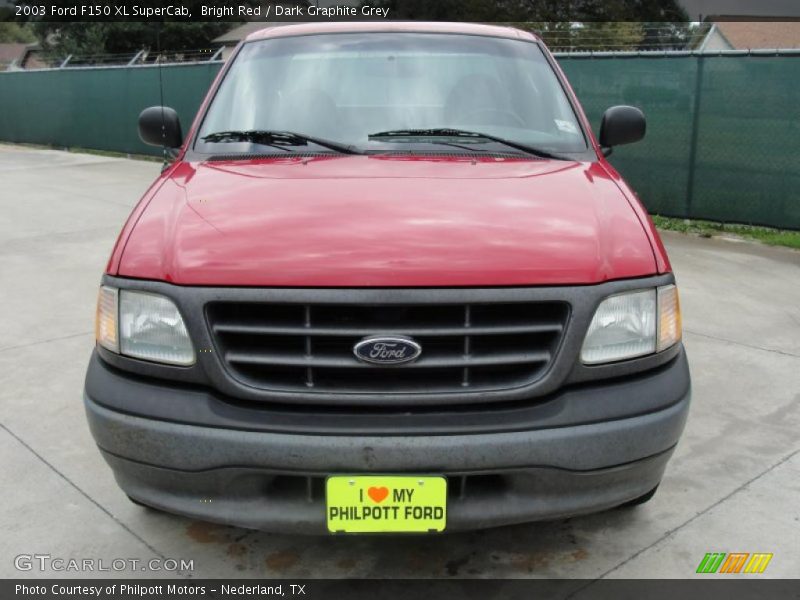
[(346, 88)]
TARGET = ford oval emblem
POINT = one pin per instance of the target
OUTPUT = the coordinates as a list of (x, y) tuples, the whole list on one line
[(386, 350)]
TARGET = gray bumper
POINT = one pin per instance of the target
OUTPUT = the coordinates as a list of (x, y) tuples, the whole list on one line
[(192, 448), (274, 480)]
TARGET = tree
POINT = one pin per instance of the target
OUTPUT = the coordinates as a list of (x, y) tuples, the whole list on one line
[(118, 37), (570, 24), (111, 36), (551, 11), (592, 35), (14, 33), (673, 36), (563, 24)]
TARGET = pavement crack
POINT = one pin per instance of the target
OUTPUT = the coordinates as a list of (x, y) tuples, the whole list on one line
[(54, 235), (677, 528), (751, 346), (55, 339), (82, 492)]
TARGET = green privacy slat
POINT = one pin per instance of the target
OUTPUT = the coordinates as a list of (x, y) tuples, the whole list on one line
[(747, 144), (738, 117), (96, 108)]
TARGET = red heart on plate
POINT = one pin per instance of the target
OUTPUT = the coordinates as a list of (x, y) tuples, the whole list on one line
[(378, 494)]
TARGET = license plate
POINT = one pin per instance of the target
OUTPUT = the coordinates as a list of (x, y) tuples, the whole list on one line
[(386, 503)]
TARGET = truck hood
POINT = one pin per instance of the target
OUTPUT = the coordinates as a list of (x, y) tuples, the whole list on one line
[(387, 221)]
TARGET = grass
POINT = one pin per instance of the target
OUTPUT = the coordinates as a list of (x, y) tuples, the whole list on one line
[(765, 235)]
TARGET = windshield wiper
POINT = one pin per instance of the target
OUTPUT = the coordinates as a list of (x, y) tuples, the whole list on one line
[(278, 139), (444, 132)]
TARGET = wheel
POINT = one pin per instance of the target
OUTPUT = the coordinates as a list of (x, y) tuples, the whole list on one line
[(640, 500)]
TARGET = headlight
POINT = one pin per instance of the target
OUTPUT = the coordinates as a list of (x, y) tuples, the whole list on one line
[(143, 325), (669, 317), (105, 323), (633, 324)]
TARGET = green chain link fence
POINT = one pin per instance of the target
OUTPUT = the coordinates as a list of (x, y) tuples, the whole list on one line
[(723, 139)]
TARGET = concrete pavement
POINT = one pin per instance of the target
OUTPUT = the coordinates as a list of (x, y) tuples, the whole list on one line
[(732, 486)]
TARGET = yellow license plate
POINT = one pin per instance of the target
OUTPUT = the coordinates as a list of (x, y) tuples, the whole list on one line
[(386, 503)]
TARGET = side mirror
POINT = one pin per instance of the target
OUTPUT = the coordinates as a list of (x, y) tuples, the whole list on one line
[(622, 125), (160, 126)]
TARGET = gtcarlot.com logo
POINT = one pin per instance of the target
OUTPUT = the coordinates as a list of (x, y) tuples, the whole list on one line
[(734, 562), (46, 562)]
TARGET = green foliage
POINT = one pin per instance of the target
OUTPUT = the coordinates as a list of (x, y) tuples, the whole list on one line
[(765, 235), (116, 37), (60, 39), (604, 24), (14, 33), (592, 35), (519, 11), (673, 36), (573, 24)]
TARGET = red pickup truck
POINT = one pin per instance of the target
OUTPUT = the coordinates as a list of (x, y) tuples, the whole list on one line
[(389, 283)]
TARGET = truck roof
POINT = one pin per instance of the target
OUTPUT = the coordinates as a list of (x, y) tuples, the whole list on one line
[(392, 26)]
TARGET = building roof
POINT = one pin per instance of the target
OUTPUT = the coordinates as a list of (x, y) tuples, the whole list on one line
[(753, 35), (237, 34), (392, 26)]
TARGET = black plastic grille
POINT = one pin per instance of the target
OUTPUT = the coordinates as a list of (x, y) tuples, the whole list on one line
[(309, 347)]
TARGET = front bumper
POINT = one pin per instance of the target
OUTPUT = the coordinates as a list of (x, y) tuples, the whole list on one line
[(272, 479)]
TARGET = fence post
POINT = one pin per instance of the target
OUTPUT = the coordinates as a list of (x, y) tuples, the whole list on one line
[(698, 90), (135, 58)]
